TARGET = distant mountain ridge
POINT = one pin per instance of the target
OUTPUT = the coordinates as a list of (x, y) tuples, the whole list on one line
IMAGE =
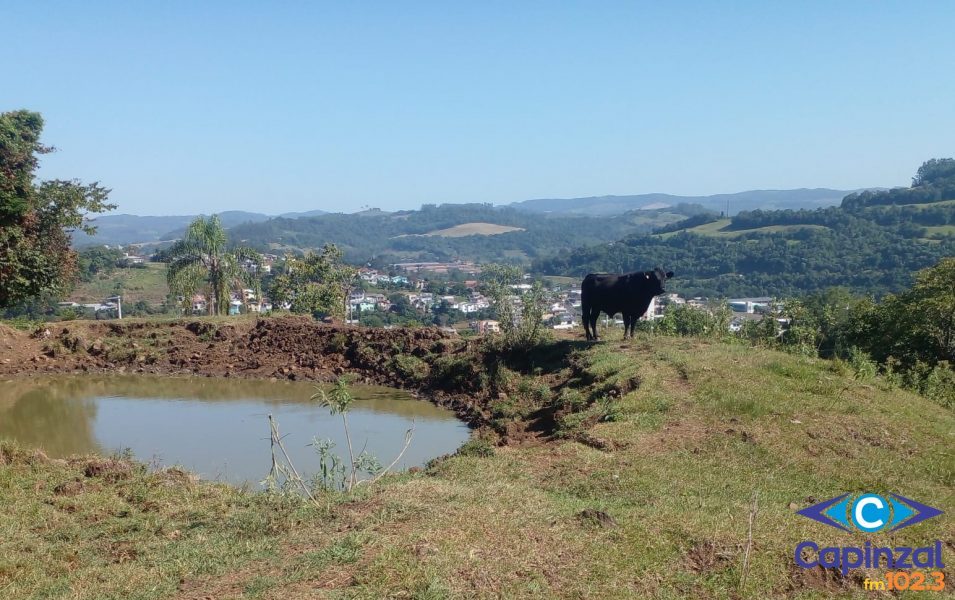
[(740, 201), (137, 229)]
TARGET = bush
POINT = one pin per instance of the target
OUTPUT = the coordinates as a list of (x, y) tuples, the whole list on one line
[(861, 364), (412, 367), (533, 393), (476, 447), (503, 379), (571, 400), (690, 321), (458, 373), (939, 385)]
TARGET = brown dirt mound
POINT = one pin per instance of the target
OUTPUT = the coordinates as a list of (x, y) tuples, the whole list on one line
[(8, 333), (440, 366), (174, 477), (818, 578), (597, 517), (70, 488), (108, 469), (708, 556), (286, 347)]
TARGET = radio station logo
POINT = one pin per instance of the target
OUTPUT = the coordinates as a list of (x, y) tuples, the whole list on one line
[(874, 513), (870, 513)]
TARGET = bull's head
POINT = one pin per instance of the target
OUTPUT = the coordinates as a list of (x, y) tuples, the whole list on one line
[(660, 277)]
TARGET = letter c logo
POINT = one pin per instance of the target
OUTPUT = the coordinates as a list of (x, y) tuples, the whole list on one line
[(870, 513)]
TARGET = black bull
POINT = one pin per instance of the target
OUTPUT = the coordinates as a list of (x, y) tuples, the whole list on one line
[(612, 293)]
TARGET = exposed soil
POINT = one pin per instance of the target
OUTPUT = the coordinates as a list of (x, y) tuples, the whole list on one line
[(708, 556), (441, 367)]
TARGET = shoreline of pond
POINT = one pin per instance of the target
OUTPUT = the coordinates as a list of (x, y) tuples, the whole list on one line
[(215, 428), (287, 348)]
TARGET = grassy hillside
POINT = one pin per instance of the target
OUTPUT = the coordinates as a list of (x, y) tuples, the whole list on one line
[(867, 245), (465, 229), (645, 494), (722, 228), (749, 200), (147, 284), (448, 231)]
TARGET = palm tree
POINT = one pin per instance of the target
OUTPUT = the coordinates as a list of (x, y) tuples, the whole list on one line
[(202, 258)]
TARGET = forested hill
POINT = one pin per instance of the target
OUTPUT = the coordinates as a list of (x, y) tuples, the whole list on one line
[(728, 203), (136, 229), (478, 232), (872, 244)]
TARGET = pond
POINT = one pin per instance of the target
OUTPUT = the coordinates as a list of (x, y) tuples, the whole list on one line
[(216, 428)]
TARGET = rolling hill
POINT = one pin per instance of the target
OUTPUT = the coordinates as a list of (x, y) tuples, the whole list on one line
[(134, 229), (872, 244), (729, 203), (478, 232)]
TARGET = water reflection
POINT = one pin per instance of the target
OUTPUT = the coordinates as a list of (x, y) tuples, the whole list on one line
[(216, 427)]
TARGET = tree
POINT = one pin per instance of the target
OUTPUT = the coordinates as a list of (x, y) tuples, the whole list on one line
[(36, 220), (933, 298), (96, 260), (520, 321), (317, 283), (202, 258), (937, 170)]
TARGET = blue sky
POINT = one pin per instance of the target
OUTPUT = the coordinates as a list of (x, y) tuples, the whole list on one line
[(186, 107)]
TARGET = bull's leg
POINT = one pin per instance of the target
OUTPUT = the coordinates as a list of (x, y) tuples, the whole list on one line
[(585, 317), (594, 314), (627, 319), (633, 324)]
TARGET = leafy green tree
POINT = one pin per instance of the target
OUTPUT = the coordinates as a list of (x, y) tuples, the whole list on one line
[(914, 327), (317, 284), (521, 321), (96, 260), (203, 259), (933, 299), (682, 319), (36, 219), (934, 171)]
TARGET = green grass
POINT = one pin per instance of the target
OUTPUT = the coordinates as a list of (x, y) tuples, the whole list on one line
[(938, 231), (699, 428), (562, 281), (147, 284), (718, 228), (927, 204), (466, 229)]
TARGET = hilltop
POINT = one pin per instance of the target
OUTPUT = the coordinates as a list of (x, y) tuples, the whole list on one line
[(478, 232), (636, 478), (134, 229), (728, 203), (870, 244)]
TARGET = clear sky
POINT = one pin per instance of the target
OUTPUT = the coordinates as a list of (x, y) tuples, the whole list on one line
[(187, 107)]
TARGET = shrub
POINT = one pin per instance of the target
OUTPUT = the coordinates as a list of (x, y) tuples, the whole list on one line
[(411, 367), (939, 385), (571, 400), (533, 393), (458, 372), (478, 447), (609, 409), (862, 365)]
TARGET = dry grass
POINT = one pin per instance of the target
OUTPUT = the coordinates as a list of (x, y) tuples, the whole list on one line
[(466, 229), (698, 428)]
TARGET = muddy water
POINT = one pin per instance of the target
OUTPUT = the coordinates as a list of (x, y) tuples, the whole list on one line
[(217, 428)]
